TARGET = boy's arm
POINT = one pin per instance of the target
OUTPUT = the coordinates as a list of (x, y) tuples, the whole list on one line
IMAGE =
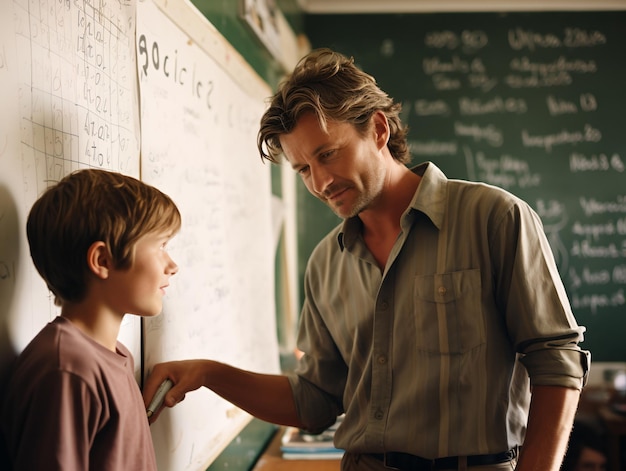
[(552, 411), (267, 397)]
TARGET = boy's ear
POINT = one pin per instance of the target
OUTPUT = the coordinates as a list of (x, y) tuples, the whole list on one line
[(99, 259)]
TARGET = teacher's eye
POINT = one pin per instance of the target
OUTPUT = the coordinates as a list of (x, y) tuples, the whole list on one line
[(327, 154)]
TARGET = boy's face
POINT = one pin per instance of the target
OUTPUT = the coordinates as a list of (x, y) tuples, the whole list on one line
[(139, 289)]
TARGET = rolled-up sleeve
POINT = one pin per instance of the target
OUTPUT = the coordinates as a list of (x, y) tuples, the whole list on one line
[(316, 409), (557, 362), (538, 312), (318, 382)]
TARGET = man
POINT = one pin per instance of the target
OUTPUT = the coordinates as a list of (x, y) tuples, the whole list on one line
[(429, 313)]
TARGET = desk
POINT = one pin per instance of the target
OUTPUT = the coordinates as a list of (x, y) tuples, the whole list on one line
[(615, 425), (271, 460), (594, 408)]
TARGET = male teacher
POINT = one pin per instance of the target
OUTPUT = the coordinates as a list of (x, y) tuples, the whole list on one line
[(434, 316)]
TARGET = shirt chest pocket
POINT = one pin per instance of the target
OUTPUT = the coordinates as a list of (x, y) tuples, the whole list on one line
[(448, 315)]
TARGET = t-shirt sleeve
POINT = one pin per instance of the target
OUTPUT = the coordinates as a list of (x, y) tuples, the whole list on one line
[(59, 425)]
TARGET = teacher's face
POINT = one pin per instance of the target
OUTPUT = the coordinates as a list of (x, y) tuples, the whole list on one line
[(344, 169)]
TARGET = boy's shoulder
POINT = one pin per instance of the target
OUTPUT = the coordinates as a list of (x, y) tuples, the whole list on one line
[(61, 348)]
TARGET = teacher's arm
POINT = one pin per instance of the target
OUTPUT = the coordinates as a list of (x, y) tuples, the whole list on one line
[(550, 420), (265, 396)]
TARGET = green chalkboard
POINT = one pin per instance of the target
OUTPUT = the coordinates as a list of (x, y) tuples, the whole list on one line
[(532, 102)]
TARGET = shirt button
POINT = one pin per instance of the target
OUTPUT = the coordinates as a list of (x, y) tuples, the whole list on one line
[(379, 415), (442, 290), (384, 304), (382, 359)]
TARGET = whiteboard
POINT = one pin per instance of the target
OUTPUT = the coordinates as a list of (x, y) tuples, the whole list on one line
[(69, 100), (201, 105)]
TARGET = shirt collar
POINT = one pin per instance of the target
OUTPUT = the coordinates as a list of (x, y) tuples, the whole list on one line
[(430, 199)]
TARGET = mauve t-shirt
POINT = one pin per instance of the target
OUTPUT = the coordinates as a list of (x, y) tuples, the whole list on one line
[(72, 404)]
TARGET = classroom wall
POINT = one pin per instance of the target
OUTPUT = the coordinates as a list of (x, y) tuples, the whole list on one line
[(346, 33)]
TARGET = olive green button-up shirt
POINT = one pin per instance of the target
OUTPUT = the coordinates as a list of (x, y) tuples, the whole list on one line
[(435, 355)]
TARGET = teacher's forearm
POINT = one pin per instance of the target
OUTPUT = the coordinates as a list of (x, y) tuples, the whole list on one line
[(267, 397), (552, 411)]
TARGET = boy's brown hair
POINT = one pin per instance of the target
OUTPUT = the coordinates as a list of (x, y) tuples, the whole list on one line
[(87, 206)]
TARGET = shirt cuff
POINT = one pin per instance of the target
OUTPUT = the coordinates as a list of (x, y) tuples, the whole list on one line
[(563, 367)]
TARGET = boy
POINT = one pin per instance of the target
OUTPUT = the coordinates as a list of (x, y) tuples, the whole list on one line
[(98, 240)]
